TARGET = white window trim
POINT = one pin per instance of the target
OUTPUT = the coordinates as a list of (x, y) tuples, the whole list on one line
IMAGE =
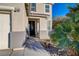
[(45, 8)]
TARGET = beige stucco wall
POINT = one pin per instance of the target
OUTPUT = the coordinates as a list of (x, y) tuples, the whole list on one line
[(44, 21), (40, 7), (43, 29), (19, 23), (18, 18)]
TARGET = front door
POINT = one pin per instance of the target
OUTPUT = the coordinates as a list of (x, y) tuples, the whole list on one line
[(32, 28), (4, 30)]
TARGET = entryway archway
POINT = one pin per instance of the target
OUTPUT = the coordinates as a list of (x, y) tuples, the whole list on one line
[(34, 27)]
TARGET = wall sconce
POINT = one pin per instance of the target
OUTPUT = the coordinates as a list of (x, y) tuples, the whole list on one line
[(17, 10)]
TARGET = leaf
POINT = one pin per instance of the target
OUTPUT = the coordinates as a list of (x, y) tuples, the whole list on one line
[(75, 35), (76, 16), (64, 43)]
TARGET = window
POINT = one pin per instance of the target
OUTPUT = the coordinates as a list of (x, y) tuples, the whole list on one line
[(33, 7), (46, 7)]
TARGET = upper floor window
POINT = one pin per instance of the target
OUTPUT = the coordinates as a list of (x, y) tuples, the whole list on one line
[(33, 7), (47, 7)]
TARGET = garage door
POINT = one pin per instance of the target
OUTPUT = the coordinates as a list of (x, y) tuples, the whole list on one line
[(4, 30)]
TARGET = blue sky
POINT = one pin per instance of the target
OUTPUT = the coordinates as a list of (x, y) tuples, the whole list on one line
[(60, 9)]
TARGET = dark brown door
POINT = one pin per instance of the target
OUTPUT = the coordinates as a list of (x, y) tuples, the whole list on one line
[(32, 28)]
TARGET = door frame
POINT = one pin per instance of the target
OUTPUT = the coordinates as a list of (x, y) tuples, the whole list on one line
[(37, 20)]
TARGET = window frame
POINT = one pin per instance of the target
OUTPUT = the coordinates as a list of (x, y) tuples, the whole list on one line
[(33, 8), (47, 10)]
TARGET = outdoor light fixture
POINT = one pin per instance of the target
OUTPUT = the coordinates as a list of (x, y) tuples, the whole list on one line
[(17, 10)]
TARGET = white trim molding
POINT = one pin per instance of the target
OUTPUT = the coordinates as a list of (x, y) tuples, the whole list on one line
[(36, 14), (6, 8)]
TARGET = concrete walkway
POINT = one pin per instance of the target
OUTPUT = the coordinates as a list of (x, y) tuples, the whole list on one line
[(31, 48), (23, 52), (38, 52), (34, 48)]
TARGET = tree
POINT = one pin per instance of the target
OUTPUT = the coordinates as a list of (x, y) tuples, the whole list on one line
[(66, 34)]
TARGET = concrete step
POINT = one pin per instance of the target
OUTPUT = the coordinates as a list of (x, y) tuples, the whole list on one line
[(5, 52), (12, 52), (18, 52)]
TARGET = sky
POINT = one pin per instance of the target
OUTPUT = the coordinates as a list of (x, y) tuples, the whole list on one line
[(60, 9)]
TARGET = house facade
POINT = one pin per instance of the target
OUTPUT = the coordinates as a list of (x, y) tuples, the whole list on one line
[(40, 20), (14, 22)]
